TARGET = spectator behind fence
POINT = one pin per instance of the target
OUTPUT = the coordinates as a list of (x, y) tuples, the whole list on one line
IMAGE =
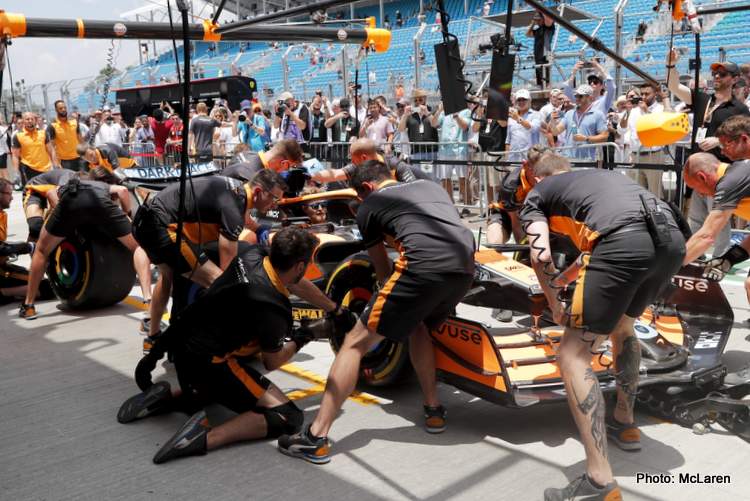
[(201, 134), (161, 128), (582, 125), (649, 102), (542, 29), (318, 130), (251, 127), (454, 133), (712, 110), (343, 128), (419, 123), (376, 127), (523, 126), (601, 82), (292, 119), (108, 131)]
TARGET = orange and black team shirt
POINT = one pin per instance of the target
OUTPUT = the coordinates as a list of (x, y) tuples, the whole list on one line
[(218, 202), (513, 190), (586, 205), (424, 224), (733, 188), (112, 156), (65, 137), (245, 171), (249, 293), (33, 146), (47, 181)]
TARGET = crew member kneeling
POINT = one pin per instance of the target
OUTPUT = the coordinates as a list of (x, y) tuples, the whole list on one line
[(215, 209), (81, 203), (633, 247), (213, 354), (40, 193), (433, 273)]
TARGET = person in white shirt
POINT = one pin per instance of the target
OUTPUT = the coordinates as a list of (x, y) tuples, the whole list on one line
[(554, 103), (523, 127), (109, 131), (376, 127), (647, 103), (5, 132)]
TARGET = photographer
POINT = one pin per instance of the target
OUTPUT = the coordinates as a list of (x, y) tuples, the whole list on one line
[(292, 119), (377, 127), (250, 127), (419, 122), (542, 29), (343, 128)]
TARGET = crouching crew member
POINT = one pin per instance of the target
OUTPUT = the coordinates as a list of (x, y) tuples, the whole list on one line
[(90, 203), (361, 151), (109, 155), (729, 185), (419, 291), (40, 194), (633, 247), (13, 278), (214, 358), (284, 155), (215, 209), (513, 190)]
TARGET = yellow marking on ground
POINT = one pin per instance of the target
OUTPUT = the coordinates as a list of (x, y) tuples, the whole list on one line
[(137, 302), (294, 370)]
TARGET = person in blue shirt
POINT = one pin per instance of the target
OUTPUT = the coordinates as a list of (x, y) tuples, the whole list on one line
[(600, 81), (582, 125), (251, 127)]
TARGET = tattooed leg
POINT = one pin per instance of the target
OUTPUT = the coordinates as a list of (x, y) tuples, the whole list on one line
[(627, 354), (586, 401)]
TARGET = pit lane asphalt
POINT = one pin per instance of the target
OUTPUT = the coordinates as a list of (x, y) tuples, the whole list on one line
[(64, 375)]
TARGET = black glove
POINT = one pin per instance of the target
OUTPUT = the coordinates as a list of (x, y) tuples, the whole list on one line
[(343, 320), (716, 268), (148, 363), (301, 336), (15, 248)]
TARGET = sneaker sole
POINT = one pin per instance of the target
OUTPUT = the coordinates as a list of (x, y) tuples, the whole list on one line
[(30, 317), (626, 446), (435, 431), (307, 457)]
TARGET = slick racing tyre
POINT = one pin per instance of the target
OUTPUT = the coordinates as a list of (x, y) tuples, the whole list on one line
[(352, 284), (90, 270)]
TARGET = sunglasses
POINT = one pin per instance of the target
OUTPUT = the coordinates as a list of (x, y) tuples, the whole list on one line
[(720, 74), (318, 206), (521, 99)]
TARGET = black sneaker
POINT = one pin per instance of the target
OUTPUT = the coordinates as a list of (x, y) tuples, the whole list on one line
[(502, 315), (302, 445), (435, 419), (190, 440), (146, 403), (27, 311), (582, 489)]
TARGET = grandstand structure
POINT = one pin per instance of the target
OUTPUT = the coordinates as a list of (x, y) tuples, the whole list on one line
[(305, 68)]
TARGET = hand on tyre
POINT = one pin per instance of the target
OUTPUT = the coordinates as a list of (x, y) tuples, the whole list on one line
[(343, 320), (302, 336)]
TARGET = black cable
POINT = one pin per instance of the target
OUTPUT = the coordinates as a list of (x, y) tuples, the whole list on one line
[(10, 76)]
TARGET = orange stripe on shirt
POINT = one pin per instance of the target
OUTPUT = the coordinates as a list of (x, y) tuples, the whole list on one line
[(377, 309), (256, 389)]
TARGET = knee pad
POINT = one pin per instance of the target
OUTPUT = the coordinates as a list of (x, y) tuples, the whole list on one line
[(35, 227), (284, 419)]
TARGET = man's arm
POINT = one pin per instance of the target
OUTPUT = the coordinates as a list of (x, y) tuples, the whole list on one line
[(702, 239), (274, 360), (227, 251), (682, 92), (309, 292), (123, 196), (383, 265), (404, 119), (16, 156), (329, 176)]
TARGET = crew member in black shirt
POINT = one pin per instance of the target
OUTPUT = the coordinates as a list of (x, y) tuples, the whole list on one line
[(215, 209), (284, 155), (91, 203), (318, 130), (109, 155), (361, 151), (626, 264), (213, 352), (432, 274), (542, 28), (37, 192)]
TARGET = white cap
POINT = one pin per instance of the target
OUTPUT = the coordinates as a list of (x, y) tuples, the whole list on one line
[(584, 90), (285, 95), (523, 94)]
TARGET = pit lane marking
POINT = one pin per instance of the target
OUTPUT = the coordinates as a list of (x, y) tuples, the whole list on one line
[(319, 382)]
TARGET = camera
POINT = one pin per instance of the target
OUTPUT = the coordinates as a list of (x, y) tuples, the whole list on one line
[(635, 100), (280, 109), (319, 93), (242, 118), (497, 42)]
